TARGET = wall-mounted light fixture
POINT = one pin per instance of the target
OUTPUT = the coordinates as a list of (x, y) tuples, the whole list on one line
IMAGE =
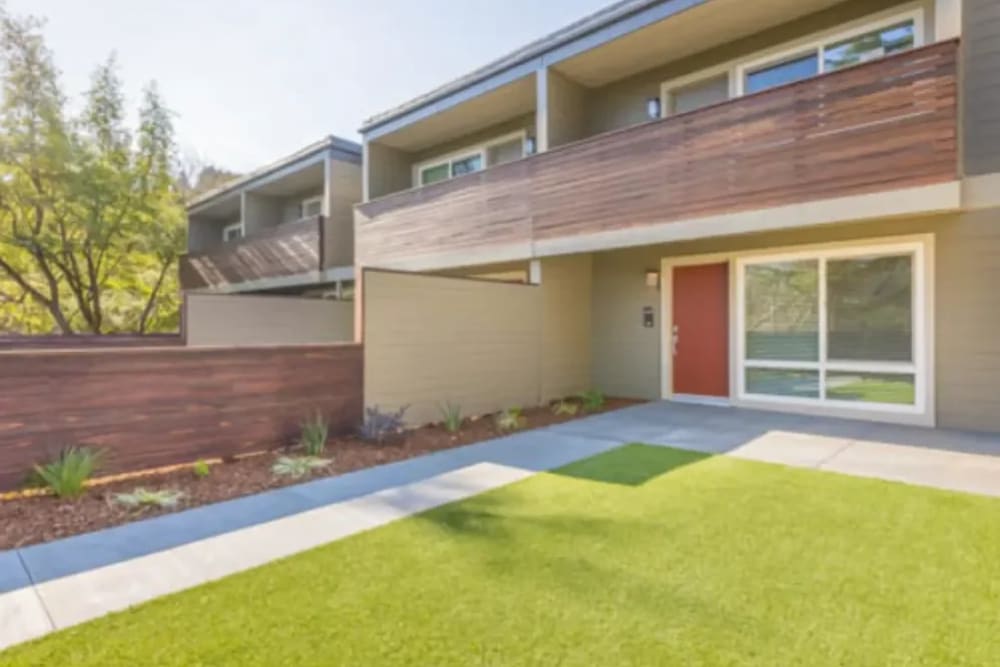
[(653, 108), (652, 278), (529, 146)]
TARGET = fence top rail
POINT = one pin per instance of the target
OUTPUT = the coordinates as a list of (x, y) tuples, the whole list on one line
[(171, 349)]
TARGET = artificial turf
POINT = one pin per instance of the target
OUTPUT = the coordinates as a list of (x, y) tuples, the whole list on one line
[(641, 556)]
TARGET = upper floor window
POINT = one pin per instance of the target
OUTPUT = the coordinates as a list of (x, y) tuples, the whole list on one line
[(311, 206), (833, 53), (469, 160), (232, 232)]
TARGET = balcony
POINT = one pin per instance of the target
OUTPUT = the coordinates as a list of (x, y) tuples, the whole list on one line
[(887, 125), (289, 249)]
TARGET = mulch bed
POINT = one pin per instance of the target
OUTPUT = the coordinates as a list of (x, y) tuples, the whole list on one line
[(35, 519)]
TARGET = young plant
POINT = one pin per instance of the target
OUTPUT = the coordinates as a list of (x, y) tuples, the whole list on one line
[(560, 408), (451, 414), (592, 400), (201, 469), (379, 426), (315, 431), (297, 467), (509, 420), (139, 498), (67, 474)]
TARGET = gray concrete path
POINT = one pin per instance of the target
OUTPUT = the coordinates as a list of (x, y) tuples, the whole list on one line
[(59, 584)]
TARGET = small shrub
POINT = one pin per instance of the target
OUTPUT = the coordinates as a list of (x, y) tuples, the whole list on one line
[(509, 420), (565, 408), (201, 469), (378, 426), (297, 467), (139, 498), (315, 432), (66, 475), (592, 400), (452, 416)]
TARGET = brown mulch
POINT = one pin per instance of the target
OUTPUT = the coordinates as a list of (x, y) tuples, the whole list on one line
[(31, 520)]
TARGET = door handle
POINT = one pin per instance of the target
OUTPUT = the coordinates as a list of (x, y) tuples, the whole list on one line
[(676, 338)]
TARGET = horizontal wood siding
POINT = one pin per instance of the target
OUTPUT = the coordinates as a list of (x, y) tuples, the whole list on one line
[(883, 125), (155, 407), (285, 250)]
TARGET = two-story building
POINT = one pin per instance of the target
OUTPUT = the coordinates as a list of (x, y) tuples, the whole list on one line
[(284, 228), (785, 204)]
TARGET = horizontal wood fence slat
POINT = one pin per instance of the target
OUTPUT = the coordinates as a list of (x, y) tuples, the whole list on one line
[(88, 341), (153, 407), (887, 124)]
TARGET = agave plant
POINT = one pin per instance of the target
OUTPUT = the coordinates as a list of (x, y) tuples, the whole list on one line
[(315, 431), (565, 408), (379, 426), (164, 498), (451, 414), (297, 467), (592, 400), (67, 474)]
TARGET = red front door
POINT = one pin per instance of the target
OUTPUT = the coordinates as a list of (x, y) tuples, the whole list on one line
[(701, 330)]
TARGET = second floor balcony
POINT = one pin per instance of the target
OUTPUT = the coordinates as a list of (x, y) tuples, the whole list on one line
[(889, 125)]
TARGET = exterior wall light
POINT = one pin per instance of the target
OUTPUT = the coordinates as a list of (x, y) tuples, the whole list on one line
[(652, 278), (529, 146), (653, 108)]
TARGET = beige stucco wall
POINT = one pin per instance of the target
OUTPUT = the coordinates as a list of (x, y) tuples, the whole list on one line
[(626, 356), (482, 344), (567, 110), (432, 339), (229, 319), (344, 191)]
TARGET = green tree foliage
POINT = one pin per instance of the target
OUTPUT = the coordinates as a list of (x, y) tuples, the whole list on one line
[(91, 221)]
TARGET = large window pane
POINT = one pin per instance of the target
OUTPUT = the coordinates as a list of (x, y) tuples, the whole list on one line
[(892, 388), (869, 46), (434, 174), (782, 318), (870, 309), (781, 382), (466, 165), (784, 72)]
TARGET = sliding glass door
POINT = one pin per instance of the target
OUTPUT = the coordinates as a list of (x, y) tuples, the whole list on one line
[(838, 327)]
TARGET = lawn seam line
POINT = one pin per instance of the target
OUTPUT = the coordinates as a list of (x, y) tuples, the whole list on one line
[(34, 589), (823, 462)]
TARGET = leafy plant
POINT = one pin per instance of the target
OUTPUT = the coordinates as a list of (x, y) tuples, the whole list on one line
[(565, 408), (164, 498), (67, 474), (315, 432), (201, 469), (592, 400), (378, 426), (452, 416), (298, 466), (509, 419)]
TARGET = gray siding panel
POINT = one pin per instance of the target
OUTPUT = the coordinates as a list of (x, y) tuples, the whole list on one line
[(981, 58)]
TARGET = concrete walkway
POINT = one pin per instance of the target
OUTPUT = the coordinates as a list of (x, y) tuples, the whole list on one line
[(62, 583)]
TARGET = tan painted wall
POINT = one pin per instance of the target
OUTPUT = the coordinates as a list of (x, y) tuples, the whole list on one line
[(241, 320), (526, 122), (344, 192), (388, 169), (623, 103), (626, 357), (431, 339), (484, 345), (567, 110)]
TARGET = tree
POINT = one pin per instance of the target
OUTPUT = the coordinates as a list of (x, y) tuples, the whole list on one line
[(91, 223)]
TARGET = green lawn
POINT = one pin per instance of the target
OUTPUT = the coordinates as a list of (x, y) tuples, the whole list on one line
[(642, 556)]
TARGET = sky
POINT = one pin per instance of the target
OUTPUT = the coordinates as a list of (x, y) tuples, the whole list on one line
[(253, 80)]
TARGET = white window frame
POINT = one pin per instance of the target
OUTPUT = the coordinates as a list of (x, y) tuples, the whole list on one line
[(310, 200), (481, 150), (228, 228), (923, 311), (917, 367), (737, 69)]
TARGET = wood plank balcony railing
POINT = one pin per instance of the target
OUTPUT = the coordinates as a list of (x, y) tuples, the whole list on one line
[(285, 250), (879, 126)]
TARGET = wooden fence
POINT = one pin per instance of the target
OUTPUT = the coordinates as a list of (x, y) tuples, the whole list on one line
[(88, 341), (151, 407)]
